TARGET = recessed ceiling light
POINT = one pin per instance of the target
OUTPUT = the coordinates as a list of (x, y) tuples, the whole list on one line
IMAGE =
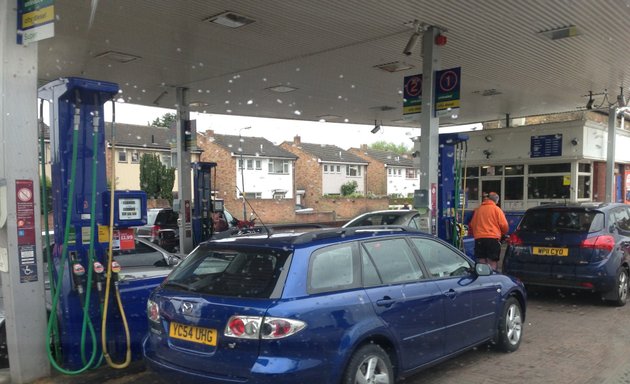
[(329, 117), (560, 33), (118, 56), (383, 108), (281, 89), (230, 19), (394, 66)]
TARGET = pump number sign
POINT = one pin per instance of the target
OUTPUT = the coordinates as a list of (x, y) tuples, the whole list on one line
[(129, 209)]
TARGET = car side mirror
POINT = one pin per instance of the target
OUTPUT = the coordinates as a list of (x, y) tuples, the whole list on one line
[(174, 260), (482, 269)]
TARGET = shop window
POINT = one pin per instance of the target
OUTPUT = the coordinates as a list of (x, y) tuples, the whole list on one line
[(472, 187), (547, 187), (472, 172), (584, 167), (512, 170), (584, 187), (550, 168), (492, 170), (513, 188)]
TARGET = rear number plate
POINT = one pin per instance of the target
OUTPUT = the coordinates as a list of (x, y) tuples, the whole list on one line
[(199, 335), (547, 251)]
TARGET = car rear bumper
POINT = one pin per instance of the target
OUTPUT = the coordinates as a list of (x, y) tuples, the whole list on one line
[(272, 370), (574, 277)]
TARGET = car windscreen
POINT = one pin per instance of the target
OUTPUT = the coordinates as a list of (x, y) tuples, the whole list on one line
[(562, 220), (235, 272)]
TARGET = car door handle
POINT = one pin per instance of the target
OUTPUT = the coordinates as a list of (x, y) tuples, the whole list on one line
[(451, 293), (385, 302)]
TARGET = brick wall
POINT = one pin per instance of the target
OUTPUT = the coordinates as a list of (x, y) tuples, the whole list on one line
[(376, 174), (346, 208), (308, 173)]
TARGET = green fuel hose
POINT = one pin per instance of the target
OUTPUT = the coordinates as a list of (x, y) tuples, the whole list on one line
[(64, 258)]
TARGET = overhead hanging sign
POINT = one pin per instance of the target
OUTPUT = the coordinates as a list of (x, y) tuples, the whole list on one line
[(447, 91), (36, 20), (412, 97)]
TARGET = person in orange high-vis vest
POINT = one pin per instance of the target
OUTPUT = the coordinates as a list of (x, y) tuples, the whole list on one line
[(488, 226)]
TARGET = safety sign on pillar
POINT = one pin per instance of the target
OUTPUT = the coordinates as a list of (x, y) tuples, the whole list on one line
[(25, 216)]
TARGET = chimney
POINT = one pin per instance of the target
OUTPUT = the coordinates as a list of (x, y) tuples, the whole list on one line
[(364, 147), (209, 132), (297, 140)]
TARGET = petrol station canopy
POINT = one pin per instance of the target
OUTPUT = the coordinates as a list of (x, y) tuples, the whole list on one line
[(343, 60)]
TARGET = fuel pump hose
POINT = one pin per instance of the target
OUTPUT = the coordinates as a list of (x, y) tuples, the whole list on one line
[(64, 257), (110, 258)]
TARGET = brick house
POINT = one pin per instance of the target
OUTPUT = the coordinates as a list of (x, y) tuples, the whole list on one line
[(256, 167), (321, 169), (389, 173)]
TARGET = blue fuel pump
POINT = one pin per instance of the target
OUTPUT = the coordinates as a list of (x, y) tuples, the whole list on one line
[(451, 194), (81, 226)]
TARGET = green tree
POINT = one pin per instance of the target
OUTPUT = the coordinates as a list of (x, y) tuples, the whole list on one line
[(156, 179), (390, 147), (165, 121)]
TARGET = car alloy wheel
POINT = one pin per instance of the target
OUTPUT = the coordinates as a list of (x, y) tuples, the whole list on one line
[(369, 365), (622, 286), (511, 326)]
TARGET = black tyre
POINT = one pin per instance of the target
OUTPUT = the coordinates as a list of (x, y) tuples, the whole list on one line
[(510, 326), (621, 288), (369, 364)]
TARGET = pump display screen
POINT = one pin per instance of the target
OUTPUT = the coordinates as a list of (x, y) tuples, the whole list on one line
[(129, 209)]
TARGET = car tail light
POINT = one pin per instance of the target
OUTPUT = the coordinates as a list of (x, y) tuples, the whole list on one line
[(254, 327), (153, 311), (155, 232), (515, 240), (605, 242)]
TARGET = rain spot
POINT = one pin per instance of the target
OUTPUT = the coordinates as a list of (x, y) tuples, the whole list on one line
[(297, 112), (250, 102)]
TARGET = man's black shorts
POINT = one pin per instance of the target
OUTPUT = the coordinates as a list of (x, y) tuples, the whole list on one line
[(487, 249)]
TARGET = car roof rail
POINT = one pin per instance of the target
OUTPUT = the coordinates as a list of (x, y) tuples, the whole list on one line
[(339, 232)]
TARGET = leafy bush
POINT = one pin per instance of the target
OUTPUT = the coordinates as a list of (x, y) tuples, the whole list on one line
[(349, 188)]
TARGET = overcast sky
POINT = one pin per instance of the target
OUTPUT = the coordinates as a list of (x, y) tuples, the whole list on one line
[(344, 135)]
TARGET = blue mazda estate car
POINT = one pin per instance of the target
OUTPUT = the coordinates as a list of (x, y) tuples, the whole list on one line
[(578, 246), (343, 305)]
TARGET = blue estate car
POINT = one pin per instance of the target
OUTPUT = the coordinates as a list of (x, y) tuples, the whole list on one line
[(350, 305), (580, 246)]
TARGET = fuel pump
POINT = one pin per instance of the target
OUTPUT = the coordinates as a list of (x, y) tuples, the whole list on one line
[(77, 149), (203, 203), (451, 196)]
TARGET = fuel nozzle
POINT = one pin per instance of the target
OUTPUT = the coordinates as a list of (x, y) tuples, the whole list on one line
[(116, 269), (99, 277), (78, 276)]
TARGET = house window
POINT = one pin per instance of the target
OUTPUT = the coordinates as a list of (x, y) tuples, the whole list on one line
[(258, 165), (411, 173), (389, 171), (166, 160), (339, 169), (122, 156), (400, 172), (279, 167), (253, 195), (325, 168), (135, 157), (250, 164), (353, 170), (240, 163)]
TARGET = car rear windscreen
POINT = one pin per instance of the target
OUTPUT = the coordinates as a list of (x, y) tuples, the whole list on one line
[(562, 220), (251, 273)]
